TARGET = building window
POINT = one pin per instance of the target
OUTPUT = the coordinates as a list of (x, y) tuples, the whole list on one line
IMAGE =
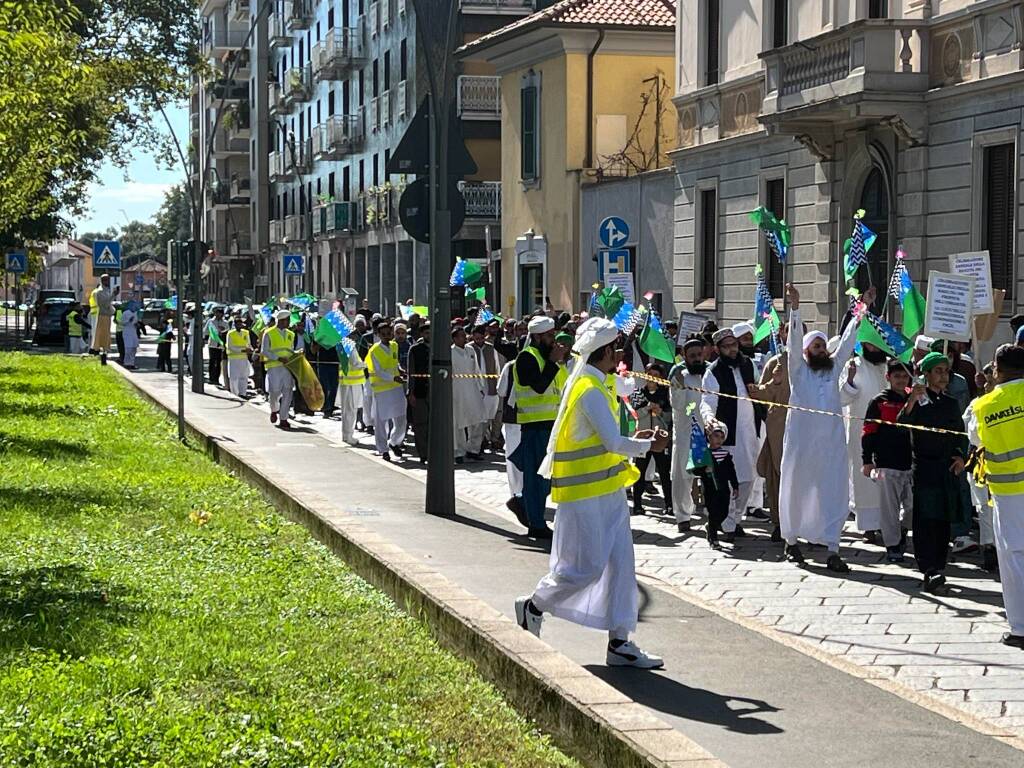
[(387, 162), (387, 70), (530, 128), (346, 183), (330, 20), (376, 78), (362, 176), (780, 24), (376, 169), (878, 9), (708, 243), (362, 87), (403, 60), (998, 186), (711, 61), (775, 201), (330, 103)]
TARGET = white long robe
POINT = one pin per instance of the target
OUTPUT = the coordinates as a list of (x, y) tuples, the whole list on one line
[(682, 481), (814, 495), (865, 500), (467, 393), (592, 580)]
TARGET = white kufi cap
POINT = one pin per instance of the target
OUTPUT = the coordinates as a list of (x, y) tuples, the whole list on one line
[(541, 324), (283, 314), (741, 328), (592, 334), (810, 336)]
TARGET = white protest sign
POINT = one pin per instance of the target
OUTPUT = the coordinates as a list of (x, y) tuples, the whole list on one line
[(689, 324), (950, 306), (977, 265), (624, 282)]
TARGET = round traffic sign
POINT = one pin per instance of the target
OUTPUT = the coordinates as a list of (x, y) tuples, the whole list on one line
[(414, 209)]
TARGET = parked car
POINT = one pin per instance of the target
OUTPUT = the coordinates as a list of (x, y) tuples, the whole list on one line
[(50, 326), (153, 314)]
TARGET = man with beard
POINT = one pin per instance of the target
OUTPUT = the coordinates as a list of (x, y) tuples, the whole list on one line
[(814, 495), (732, 374), (684, 393), (863, 380), (774, 387), (744, 333)]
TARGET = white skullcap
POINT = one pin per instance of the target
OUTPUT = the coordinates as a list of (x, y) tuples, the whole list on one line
[(924, 343), (282, 314), (741, 328), (718, 426), (541, 324), (594, 333), (810, 336)]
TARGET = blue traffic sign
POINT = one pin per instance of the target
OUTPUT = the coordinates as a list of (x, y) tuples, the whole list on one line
[(614, 261), (294, 264), (106, 255), (17, 262), (140, 279), (614, 232)]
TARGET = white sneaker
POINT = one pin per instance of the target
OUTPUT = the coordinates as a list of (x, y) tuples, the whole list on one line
[(628, 655), (526, 618), (963, 544)]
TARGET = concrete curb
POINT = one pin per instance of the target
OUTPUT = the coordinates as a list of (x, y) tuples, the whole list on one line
[(585, 716)]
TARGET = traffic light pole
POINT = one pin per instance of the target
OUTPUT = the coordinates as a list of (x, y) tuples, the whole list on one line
[(179, 285)]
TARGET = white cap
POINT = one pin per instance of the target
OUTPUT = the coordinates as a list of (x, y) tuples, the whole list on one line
[(541, 324), (282, 314), (594, 333), (810, 336), (741, 328), (924, 343)]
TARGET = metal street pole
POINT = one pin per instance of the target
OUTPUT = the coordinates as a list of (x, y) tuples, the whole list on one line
[(179, 286)]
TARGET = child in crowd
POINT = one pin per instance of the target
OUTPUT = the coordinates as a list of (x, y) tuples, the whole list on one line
[(717, 481)]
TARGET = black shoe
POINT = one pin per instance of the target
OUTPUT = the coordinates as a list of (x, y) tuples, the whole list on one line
[(739, 533), (776, 537), (386, 456), (873, 537), (935, 583), (540, 533), (637, 510), (893, 555), (836, 565), (793, 553), (369, 430), (399, 451), (683, 527), (757, 513), (729, 537), (459, 460), (515, 505), (1014, 641), (989, 559), (713, 540)]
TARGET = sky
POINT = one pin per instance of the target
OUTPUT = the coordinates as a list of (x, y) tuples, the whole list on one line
[(113, 201)]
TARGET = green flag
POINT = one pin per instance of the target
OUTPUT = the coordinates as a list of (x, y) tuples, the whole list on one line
[(766, 329), (295, 319), (214, 336), (479, 294), (914, 307), (611, 300), (653, 342), (867, 332)]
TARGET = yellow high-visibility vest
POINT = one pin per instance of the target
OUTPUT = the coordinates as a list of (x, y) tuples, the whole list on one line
[(585, 469), (75, 328), (118, 323), (280, 342), (237, 343), (531, 407), (1000, 416), (379, 360), (355, 376)]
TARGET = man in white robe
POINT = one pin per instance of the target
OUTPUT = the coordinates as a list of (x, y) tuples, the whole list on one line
[(130, 334), (389, 404), (467, 397), (862, 380), (489, 362), (685, 396), (350, 394), (593, 578), (733, 374), (512, 434), (814, 497)]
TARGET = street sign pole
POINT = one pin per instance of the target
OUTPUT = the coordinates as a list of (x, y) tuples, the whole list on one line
[(197, 314), (179, 287)]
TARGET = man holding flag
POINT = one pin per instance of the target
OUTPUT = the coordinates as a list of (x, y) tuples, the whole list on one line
[(278, 345), (685, 396), (216, 329)]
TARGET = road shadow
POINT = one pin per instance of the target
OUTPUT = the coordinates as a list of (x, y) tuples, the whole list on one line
[(59, 608), (663, 694)]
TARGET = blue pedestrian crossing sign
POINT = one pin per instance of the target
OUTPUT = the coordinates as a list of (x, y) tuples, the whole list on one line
[(106, 255), (294, 264), (17, 262), (614, 232)]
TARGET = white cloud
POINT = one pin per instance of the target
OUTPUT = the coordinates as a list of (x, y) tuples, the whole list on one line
[(132, 192)]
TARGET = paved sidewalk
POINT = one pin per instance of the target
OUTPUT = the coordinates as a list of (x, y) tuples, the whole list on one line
[(729, 684)]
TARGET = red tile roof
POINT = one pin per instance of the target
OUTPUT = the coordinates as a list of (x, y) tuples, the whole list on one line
[(637, 14)]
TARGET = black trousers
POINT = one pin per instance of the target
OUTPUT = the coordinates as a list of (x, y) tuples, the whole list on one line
[(119, 340), (216, 355), (717, 502), (931, 543), (420, 418), (663, 463), (163, 357)]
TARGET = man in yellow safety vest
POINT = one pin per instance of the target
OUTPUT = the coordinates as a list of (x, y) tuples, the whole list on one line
[(593, 578), (389, 421), (238, 348), (536, 380), (997, 425), (277, 346)]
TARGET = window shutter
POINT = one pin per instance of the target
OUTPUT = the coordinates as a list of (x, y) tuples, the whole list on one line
[(709, 243), (775, 194), (1000, 169), (712, 50), (528, 97)]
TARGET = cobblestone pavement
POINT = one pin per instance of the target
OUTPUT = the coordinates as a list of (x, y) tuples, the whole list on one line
[(875, 617)]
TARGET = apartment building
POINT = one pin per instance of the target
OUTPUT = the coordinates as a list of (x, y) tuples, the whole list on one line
[(911, 111), (330, 88)]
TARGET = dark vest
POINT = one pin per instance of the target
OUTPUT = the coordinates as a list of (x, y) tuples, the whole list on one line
[(727, 406)]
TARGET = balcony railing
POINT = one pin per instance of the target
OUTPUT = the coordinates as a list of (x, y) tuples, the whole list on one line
[(295, 228), (276, 232), (229, 90), (375, 114), (279, 33), (338, 217), (336, 137), (483, 199), (285, 163), (334, 55), (874, 56), (240, 187), (479, 97), (239, 244), (319, 220), (226, 146), (299, 14), (297, 85), (385, 108), (275, 97), (516, 7), (401, 100), (219, 39), (238, 10), (236, 121)]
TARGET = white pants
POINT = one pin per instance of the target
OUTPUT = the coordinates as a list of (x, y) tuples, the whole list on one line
[(369, 417), (129, 355), (979, 495), (280, 385), (461, 441), (349, 398), (78, 346), (738, 507), (238, 376), (388, 432), (475, 442), (513, 435), (1008, 526)]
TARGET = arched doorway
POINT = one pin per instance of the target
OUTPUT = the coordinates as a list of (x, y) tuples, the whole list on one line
[(874, 199)]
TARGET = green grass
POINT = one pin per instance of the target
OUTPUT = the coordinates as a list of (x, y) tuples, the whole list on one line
[(154, 610)]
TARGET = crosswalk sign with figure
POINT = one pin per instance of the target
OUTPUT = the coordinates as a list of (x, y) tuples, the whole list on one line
[(17, 262), (293, 264), (106, 255)]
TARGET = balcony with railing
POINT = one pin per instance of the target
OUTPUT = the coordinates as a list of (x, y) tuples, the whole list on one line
[(483, 199), (240, 187), (299, 14), (479, 97), (861, 71), (234, 63), (236, 121), (375, 114), (280, 36), (298, 85), (276, 232), (239, 244), (231, 91), (401, 100), (295, 228), (275, 97), (338, 217), (336, 137), (222, 195), (220, 38), (509, 7), (238, 10), (225, 146), (334, 56), (385, 108)]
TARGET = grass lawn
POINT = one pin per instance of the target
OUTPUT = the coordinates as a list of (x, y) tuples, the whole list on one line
[(154, 610)]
